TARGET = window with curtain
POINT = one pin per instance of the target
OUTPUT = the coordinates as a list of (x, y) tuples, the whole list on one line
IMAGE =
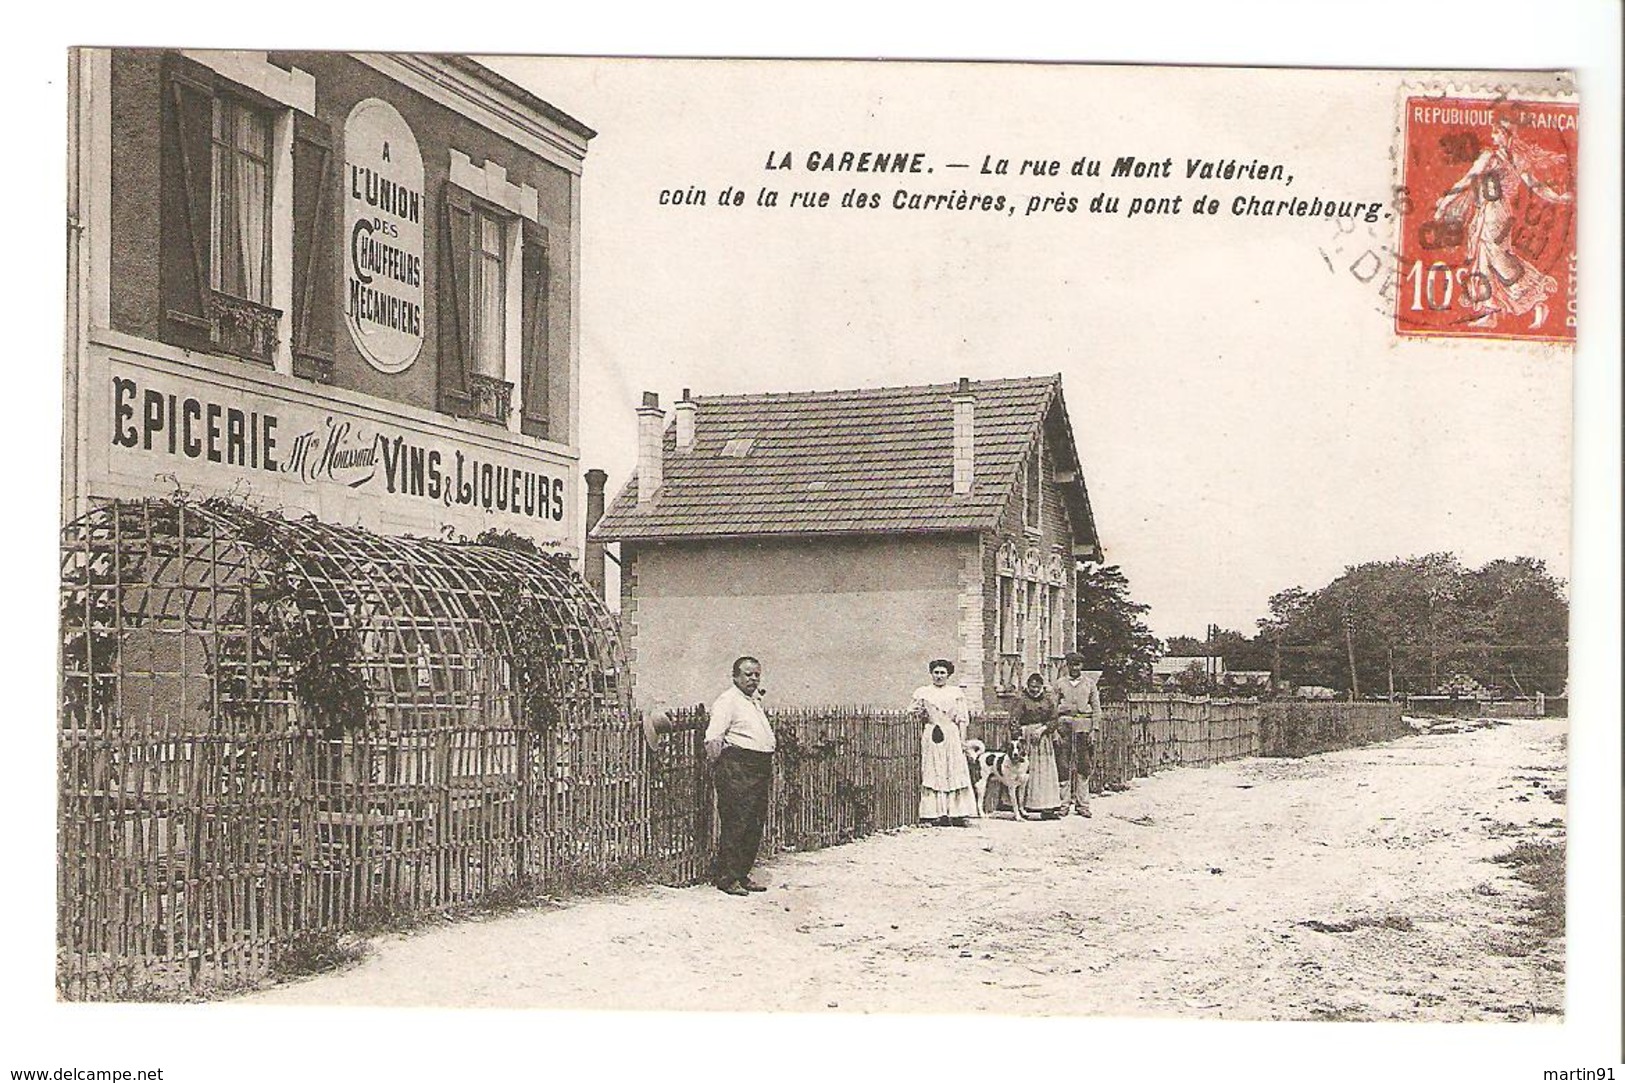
[(490, 290), (1020, 621), (220, 153), (240, 202), (1040, 618), (1007, 615), (1057, 622)]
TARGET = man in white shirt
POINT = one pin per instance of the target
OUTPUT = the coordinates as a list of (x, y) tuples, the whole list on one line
[(739, 746), (1077, 695)]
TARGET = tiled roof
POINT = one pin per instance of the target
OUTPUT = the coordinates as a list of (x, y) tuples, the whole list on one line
[(878, 460)]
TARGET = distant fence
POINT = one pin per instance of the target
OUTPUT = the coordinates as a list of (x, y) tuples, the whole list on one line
[(192, 860), (1454, 707), (1288, 728)]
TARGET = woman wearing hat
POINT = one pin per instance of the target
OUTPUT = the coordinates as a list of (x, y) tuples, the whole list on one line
[(946, 796), (1034, 719)]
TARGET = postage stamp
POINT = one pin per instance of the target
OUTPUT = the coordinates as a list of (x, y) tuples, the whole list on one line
[(1487, 223)]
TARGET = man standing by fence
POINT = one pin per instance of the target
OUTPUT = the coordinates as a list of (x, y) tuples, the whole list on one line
[(739, 746), (1078, 696)]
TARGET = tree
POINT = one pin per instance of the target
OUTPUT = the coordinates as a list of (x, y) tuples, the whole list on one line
[(1194, 680), (1285, 607), (1237, 649), (1183, 647), (1518, 604), (1112, 634), (1426, 620)]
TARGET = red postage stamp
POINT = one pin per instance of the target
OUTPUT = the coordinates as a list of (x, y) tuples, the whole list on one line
[(1487, 224)]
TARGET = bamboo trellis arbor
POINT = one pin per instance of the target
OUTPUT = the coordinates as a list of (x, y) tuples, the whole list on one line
[(276, 727)]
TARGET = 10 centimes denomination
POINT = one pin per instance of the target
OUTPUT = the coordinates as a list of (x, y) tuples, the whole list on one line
[(1487, 230)]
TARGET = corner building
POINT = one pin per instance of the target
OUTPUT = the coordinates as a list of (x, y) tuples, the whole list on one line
[(332, 284)]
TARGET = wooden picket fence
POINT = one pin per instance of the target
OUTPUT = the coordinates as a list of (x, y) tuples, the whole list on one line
[(1152, 733), (840, 773), (1289, 728), (194, 860)]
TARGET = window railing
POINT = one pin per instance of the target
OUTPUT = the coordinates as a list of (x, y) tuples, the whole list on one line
[(489, 399), (243, 328)]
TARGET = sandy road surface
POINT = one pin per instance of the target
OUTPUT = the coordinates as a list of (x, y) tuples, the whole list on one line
[(1185, 896)]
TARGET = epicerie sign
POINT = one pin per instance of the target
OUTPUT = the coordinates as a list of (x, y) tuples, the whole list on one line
[(383, 230), (160, 424)]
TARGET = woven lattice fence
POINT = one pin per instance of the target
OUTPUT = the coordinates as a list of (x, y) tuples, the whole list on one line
[(271, 729), (839, 773)]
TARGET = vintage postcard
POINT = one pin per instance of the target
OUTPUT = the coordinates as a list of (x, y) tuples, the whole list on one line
[(819, 537)]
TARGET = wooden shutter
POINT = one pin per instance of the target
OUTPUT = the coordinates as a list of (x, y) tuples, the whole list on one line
[(185, 185), (456, 230), (534, 369), (315, 241)]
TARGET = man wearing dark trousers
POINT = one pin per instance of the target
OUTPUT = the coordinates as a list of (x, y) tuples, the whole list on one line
[(739, 746), (1077, 694)]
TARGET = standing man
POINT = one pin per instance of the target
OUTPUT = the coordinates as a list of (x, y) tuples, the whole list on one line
[(1078, 697), (739, 746)]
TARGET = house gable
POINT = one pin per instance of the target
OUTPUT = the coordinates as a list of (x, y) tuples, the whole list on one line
[(1029, 589), (845, 462)]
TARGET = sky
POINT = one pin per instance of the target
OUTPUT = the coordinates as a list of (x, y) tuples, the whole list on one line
[(1246, 418)]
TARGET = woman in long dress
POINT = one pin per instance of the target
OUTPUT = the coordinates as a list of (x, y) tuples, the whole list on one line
[(1034, 718), (1501, 281), (947, 798)]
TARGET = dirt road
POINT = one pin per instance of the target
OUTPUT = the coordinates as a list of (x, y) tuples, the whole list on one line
[(1352, 885)]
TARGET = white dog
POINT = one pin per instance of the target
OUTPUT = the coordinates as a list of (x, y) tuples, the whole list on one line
[(1009, 768)]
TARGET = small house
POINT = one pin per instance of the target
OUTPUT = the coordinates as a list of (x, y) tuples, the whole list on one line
[(846, 538)]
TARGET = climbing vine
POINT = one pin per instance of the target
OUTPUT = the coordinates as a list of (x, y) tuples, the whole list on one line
[(323, 658), (535, 653)]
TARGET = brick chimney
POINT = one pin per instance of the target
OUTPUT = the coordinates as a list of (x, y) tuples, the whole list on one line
[(964, 438), (651, 446), (687, 413), (592, 560)]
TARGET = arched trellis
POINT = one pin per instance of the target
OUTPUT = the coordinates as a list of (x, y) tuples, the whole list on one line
[(423, 618), (271, 727)]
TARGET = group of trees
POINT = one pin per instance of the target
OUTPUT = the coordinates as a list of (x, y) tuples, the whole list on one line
[(1423, 624), (1112, 635)]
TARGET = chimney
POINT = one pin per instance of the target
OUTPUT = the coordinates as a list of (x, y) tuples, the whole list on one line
[(687, 412), (964, 438), (593, 559), (651, 446)]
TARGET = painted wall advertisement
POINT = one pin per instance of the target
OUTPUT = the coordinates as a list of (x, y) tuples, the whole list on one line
[(383, 230), (213, 436)]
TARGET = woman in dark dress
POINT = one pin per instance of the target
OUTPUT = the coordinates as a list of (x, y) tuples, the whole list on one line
[(1035, 719)]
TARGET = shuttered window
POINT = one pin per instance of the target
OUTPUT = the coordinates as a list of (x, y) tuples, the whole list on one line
[(492, 367), (316, 301), (215, 215)]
